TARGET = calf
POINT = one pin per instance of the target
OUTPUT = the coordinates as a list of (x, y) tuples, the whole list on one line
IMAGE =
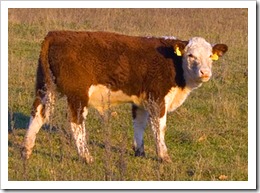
[(89, 66)]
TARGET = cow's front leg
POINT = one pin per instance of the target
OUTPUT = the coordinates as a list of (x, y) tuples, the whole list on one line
[(78, 116), (140, 117), (158, 124)]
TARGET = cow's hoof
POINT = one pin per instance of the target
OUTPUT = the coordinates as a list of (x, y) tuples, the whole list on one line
[(25, 154), (166, 159), (89, 159), (139, 153)]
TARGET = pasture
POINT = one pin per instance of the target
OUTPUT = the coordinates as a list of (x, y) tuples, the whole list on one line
[(207, 136)]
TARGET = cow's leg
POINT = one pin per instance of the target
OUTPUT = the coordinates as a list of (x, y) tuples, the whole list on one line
[(77, 122), (42, 107), (140, 117), (158, 124)]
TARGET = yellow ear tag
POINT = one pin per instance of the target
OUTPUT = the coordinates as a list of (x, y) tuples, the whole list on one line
[(214, 57), (177, 51)]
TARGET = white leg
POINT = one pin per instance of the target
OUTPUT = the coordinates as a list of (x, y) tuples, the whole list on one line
[(79, 134), (140, 117), (35, 124), (159, 127), (42, 108), (48, 100)]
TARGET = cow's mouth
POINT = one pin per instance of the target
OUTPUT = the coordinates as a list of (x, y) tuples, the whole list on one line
[(204, 78)]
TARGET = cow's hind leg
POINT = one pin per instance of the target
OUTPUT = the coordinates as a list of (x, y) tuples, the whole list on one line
[(140, 117), (41, 110), (78, 115)]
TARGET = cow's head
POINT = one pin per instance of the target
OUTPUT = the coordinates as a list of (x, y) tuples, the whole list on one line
[(197, 57)]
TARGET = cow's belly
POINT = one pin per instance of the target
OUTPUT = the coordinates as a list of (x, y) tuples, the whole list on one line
[(175, 97), (101, 98)]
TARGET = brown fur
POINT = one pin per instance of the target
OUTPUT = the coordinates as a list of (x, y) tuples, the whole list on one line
[(76, 60)]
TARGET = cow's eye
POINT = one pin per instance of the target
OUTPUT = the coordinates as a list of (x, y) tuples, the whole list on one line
[(192, 56)]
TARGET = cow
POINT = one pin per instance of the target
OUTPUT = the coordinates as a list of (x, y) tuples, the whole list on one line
[(87, 67)]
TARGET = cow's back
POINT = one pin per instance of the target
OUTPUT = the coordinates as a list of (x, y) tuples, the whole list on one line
[(127, 63)]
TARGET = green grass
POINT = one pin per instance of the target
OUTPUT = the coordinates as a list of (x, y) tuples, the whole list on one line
[(206, 136)]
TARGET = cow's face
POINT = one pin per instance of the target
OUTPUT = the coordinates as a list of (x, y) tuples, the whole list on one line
[(197, 57)]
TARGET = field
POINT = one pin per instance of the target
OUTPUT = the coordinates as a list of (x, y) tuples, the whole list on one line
[(207, 136)]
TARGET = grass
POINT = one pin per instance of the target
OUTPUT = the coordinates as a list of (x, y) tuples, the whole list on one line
[(206, 136)]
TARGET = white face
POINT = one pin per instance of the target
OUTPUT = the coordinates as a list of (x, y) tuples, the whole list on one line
[(197, 60)]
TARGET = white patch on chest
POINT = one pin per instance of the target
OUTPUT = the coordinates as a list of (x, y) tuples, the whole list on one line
[(101, 97), (175, 97)]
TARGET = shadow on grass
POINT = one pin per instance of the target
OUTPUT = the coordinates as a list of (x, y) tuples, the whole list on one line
[(17, 120)]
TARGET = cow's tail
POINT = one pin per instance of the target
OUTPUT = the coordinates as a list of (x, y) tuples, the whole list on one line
[(45, 87)]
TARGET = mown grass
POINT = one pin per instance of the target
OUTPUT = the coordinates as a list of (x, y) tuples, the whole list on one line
[(206, 136)]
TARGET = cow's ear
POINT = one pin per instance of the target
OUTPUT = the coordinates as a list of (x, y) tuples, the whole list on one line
[(218, 50), (179, 47)]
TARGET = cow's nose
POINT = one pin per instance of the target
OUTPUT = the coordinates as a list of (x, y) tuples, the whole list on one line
[(204, 73)]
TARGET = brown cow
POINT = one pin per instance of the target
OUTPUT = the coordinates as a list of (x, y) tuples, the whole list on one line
[(89, 66)]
